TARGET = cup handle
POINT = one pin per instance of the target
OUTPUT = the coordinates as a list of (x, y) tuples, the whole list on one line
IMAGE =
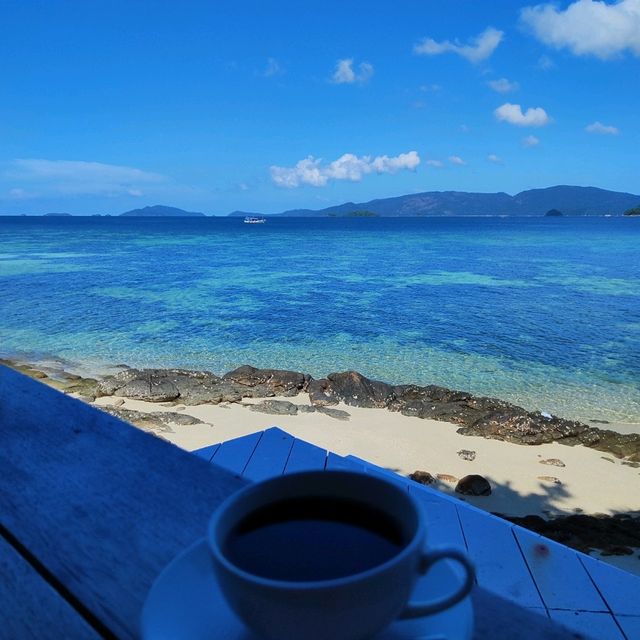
[(427, 560)]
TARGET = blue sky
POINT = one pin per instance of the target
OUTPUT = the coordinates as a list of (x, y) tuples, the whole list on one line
[(266, 106)]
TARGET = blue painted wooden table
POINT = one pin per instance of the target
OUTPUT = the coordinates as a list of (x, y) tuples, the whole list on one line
[(538, 574), (92, 509)]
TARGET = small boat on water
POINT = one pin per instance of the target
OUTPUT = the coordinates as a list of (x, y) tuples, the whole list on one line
[(254, 220)]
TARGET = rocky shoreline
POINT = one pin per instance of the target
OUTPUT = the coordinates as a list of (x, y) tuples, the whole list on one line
[(177, 392), (476, 415)]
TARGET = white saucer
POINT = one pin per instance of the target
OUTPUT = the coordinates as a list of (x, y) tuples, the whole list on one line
[(185, 603)]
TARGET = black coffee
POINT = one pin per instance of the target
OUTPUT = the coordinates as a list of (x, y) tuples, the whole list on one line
[(313, 539)]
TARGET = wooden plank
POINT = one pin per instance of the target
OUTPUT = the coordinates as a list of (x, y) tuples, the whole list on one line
[(233, 455), (434, 495), (102, 505), (595, 625), (620, 589), (30, 607), (305, 457), (630, 626), (385, 474), (497, 618), (500, 567), (335, 461), (270, 455), (443, 525), (206, 453), (560, 577)]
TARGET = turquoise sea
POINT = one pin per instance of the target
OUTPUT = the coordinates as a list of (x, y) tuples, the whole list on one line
[(542, 312)]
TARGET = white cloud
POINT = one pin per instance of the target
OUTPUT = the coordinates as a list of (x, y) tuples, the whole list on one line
[(503, 85), (457, 160), (74, 177), (435, 163), (480, 48), (347, 167), (385, 164), (588, 27), (602, 129), (545, 63), (273, 68), (18, 194), (345, 74), (492, 157), (434, 88), (530, 141), (512, 113)]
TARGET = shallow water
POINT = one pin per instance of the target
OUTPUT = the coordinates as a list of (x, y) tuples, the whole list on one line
[(542, 312)]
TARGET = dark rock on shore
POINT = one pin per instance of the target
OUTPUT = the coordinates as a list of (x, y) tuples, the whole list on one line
[(422, 477), (554, 462), (280, 382), (500, 420), (320, 393), (145, 385), (465, 454), (613, 535), (338, 414), (275, 407), (161, 385), (57, 378), (473, 485), (431, 402), (86, 387), (24, 368), (154, 421), (199, 387), (306, 408), (356, 390)]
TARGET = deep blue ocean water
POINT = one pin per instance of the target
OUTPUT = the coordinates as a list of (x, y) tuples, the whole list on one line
[(543, 312)]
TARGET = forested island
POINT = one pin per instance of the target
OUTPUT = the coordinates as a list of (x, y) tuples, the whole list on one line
[(161, 211), (354, 214), (570, 200)]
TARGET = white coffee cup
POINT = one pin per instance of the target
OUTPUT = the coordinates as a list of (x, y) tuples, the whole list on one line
[(269, 586)]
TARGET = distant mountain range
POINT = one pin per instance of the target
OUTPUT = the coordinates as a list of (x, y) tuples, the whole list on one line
[(160, 211), (570, 201), (567, 200)]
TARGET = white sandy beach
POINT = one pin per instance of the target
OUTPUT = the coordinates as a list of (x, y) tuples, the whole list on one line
[(591, 481)]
